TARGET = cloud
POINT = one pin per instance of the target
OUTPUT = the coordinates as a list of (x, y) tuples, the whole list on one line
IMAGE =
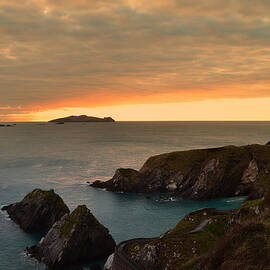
[(101, 52)]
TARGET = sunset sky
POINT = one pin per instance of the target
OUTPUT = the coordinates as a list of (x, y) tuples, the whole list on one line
[(135, 59)]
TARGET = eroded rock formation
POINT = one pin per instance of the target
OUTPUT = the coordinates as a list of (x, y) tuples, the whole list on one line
[(198, 174), (38, 210), (76, 237)]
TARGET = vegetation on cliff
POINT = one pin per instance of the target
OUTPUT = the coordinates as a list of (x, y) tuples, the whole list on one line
[(209, 239), (199, 174), (78, 236)]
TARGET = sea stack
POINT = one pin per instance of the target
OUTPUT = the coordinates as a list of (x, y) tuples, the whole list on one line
[(38, 210), (77, 237)]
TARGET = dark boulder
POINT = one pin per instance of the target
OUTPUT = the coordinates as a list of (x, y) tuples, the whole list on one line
[(38, 211), (77, 237)]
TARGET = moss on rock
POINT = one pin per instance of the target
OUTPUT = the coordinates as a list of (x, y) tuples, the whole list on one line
[(38, 210), (76, 237), (199, 174), (236, 239)]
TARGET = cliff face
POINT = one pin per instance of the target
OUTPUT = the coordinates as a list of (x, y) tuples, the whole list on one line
[(199, 174), (38, 211), (82, 118), (206, 239)]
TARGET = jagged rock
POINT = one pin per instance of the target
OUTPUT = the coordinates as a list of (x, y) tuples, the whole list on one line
[(148, 256), (198, 174), (251, 173), (123, 179), (108, 264), (38, 211), (76, 237)]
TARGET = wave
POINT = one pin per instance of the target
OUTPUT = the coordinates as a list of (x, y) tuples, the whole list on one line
[(4, 213), (235, 200), (169, 199), (87, 183)]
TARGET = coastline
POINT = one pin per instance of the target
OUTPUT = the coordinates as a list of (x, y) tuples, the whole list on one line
[(92, 152)]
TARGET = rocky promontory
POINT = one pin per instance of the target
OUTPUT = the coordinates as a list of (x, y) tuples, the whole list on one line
[(38, 210), (82, 118), (206, 239), (78, 236), (199, 174)]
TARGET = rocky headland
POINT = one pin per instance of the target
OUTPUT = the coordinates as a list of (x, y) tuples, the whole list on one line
[(38, 210), (199, 174), (76, 237), (207, 239), (82, 118)]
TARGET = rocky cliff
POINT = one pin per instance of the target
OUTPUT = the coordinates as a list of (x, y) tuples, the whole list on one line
[(38, 211), (207, 239), (199, 174), (76, 237)]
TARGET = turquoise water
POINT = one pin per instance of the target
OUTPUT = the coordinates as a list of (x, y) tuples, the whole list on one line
[(65, 157)]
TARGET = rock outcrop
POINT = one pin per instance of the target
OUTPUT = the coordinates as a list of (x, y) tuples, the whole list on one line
[(38, 211), (82, 118), (206, 239), (199, 174), (108, 264), (76, 237), (127, 180)]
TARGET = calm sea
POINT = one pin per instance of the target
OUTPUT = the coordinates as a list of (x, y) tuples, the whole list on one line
[(65, 157)]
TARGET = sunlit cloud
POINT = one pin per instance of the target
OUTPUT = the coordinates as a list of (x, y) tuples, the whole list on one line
[(6, 52), (91, 53)]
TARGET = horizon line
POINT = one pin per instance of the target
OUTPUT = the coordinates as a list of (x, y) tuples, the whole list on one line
[(42, 121)]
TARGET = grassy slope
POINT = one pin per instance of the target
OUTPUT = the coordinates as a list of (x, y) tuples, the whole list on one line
[(237, 240)]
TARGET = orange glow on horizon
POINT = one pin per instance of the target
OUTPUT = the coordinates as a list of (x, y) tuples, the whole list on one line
[(256, 109), (184, 98)]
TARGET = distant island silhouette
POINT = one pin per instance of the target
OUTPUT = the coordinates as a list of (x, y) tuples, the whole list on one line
[(81, 118)]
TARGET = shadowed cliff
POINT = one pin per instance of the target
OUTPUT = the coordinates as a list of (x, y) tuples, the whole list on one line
[(199, 174)]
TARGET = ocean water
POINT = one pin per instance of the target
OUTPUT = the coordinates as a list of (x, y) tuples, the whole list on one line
[(65, 157)]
